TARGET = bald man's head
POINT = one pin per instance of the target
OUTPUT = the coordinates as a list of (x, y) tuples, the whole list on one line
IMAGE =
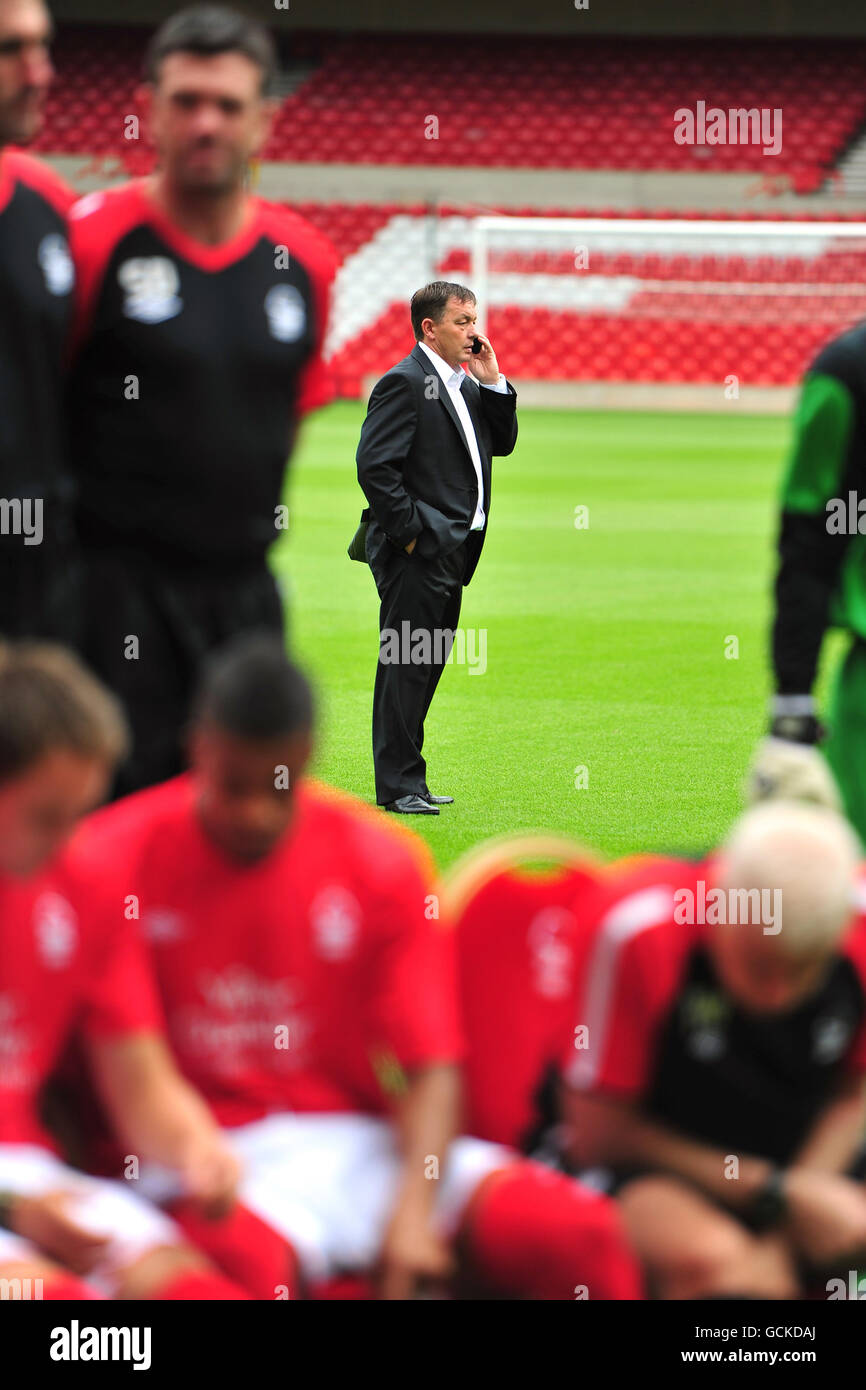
[(802, 859)]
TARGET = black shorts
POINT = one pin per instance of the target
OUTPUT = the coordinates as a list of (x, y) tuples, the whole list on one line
[(147, 631)]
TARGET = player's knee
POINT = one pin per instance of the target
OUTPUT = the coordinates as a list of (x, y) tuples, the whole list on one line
[(852, 1244), (725, 1258)]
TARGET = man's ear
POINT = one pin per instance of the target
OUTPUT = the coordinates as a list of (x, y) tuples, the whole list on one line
[(306, 745), (267, 115), (143, 96)]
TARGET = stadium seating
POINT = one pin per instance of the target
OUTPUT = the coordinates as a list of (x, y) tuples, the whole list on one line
[(679, 319), (648, 317), (536, 103), (521, 938), (588, 103)]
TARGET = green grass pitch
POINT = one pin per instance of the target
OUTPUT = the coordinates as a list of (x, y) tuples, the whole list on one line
[(608, 648)]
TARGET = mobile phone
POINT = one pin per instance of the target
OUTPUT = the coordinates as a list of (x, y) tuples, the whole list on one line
[(477, 345)]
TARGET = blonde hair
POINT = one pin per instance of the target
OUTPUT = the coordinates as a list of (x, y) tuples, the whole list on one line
[(810, 854)]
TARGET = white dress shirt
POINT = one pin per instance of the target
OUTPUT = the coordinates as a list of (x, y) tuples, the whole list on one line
[(453, 378)]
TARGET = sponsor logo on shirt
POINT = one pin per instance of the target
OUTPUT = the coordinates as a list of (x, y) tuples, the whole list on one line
[(246, 1020), (151, 285), (55, 925), (56, 262), (287, 313), (335, 919)]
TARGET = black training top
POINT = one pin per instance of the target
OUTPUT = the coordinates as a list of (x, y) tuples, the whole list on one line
[(192, 366)]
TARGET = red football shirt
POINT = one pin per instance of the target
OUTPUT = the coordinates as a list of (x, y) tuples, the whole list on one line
[(310, 981), (68, 959)]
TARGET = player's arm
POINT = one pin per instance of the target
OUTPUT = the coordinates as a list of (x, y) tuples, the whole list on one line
[(811, 547), (606, 1131), (316, 386), (161, 1117), (838, 1131), (426, 1119), (153, 1108), (824, 1209), (416, 1046), (43, 1219), (386, 438)]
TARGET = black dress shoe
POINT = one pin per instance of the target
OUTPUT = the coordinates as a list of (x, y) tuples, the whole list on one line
[(439, 800), (412, 805)]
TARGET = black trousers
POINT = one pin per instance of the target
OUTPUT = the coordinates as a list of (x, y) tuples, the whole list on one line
[(420, 599), (147, 630)]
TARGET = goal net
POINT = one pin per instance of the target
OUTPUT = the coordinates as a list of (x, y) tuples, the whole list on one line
[(658, 300)]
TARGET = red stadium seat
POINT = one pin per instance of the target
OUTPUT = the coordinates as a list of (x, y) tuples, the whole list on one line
[(607, 105), (521, 937)]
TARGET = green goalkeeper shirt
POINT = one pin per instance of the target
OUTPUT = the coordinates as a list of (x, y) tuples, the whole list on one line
[(821, 579)]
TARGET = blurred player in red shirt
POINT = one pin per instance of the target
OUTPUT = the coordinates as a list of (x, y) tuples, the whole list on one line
[(38, 580), (200, 319), (310, 996), (717, 1066), (68, 960)]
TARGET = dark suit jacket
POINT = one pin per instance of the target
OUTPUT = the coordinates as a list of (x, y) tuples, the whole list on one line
[(414, 464)]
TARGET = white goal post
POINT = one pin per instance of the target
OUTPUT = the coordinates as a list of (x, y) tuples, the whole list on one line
[(798, 282)]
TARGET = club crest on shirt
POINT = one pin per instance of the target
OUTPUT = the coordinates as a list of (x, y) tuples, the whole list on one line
[(56, 263), (151, 285), (287, 313), (550, 952), (335, 918), (55, 926), (704, 1015), (830, 1036)]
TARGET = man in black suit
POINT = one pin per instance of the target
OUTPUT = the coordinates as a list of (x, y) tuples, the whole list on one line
[(424, 464)]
